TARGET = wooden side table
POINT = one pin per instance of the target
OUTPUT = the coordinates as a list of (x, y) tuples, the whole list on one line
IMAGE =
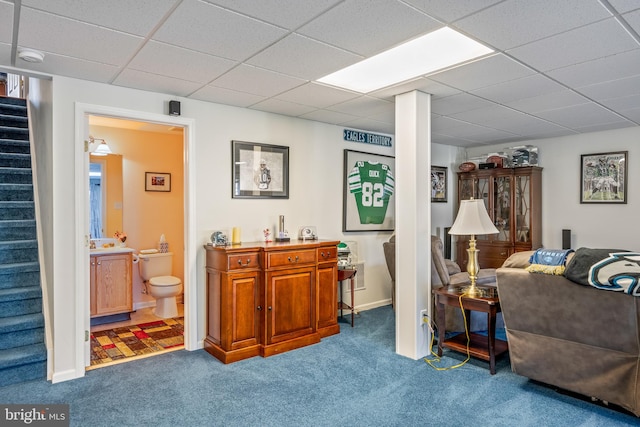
[(347, 274), (485, 348)]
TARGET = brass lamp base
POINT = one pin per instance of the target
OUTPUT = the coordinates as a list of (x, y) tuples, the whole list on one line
[(472, 268)]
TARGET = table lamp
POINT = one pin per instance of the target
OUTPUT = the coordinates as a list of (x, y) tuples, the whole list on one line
[(472, 220)]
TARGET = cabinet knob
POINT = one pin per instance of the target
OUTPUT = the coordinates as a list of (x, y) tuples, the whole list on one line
[(245, 264), (269, 308), (259, 308), (291, 260)]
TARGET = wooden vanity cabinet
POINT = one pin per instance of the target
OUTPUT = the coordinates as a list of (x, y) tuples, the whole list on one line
[(265, 298), (110, 284)]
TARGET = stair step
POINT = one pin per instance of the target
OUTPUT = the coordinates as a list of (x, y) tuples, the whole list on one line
[(18, 230), (23, 330), (13, 121), (8, 132), (19, 275), (21, 307), (15, 160), (15, 175), (24, 363), (14, 146), (16, 192), (18, 251), (17, 210), (21, 323), (19, 294), (13, 109), (8, 100)]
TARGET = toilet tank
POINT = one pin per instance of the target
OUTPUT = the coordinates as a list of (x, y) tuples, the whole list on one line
[(154, 265)]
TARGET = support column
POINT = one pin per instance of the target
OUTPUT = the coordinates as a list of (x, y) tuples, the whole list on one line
[(413, 222)]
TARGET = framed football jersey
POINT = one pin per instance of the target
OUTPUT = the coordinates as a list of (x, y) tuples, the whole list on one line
[(368, 203)]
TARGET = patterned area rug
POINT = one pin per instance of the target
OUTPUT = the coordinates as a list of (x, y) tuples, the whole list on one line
[(136, 341)]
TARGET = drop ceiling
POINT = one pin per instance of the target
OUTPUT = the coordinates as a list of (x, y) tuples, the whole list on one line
[(560, 68)]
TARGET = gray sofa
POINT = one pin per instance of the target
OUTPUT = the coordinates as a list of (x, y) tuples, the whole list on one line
[(572, 336)]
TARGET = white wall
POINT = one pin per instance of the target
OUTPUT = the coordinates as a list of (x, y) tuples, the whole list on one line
[(316, 180), (596, 226)]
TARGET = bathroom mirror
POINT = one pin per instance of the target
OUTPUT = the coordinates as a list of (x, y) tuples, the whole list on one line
[(105, 195)]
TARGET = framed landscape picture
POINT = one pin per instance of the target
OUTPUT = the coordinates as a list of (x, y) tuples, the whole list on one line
[(368, 203), (259, 170), (603, 177), (157, 181), (439, 187)]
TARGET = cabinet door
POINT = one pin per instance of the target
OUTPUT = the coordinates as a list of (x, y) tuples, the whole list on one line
[(92, 286), (327, 299), (500, 208), (113, 284), (240, 308), (290, 304)]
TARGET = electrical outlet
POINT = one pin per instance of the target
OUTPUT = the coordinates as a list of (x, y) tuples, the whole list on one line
[(424, 316)]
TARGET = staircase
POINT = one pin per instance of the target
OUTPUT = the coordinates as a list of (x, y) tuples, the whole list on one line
[(23, 355)]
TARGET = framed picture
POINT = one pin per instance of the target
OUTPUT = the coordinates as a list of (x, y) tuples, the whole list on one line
[(439, 186), (603, 177), (259, 170), (368, 203), (157, 181)]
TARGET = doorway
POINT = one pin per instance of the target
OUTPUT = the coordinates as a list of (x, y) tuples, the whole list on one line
[(83, 113)]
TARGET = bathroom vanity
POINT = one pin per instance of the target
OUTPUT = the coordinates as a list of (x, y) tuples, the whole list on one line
[(268, 298), (111, 282)]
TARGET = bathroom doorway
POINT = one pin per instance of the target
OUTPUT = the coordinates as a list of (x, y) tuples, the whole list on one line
[(184, 247)]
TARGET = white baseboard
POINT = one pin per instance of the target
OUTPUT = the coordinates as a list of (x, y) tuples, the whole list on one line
[(372, 305), (67, 375)]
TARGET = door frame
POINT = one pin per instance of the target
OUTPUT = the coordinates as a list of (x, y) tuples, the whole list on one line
[(82, 112)]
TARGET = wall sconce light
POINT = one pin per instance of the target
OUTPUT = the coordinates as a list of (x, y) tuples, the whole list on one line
[(98, 147)]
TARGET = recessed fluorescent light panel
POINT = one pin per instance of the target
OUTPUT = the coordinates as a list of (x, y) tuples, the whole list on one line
[(435, 51)]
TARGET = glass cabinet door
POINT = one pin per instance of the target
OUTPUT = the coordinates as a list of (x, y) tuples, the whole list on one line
[(523, 208), (501, 208)]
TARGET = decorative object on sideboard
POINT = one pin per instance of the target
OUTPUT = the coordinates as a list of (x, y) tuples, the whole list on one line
[(283, 235), (307, 232), (218, 238), (267, 235), (235, 236), (467, 167), (524, 155)]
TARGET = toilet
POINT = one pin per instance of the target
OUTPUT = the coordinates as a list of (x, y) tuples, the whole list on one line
[(155, 270)]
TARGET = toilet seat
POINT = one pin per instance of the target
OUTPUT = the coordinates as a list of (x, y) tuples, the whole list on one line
[(164, 281)]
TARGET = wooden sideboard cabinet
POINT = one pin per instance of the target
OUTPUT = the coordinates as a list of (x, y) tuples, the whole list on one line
[(110, 284), (513, 198), (267, 298)]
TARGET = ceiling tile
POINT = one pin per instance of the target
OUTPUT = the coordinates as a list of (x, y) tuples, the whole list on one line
[(586, 43), (517, 22), (578, 116), (485, 72), (226, 96), (316, 95), (623, 103), (632, 114), (302, 57), (633, 19), (551, 101), (155, 83), (51, 33), (370, 125), (450, 11), (458, 103), (288, 14), (6, 22), (623, 6), (257, 80), (131, 16), (613, 89), (211, 29), (72, 67), (282, 107), (603, 69), (202, 68), (483, 115), (5, 53), (523, 88), (363, 106), (328, 116), (524, 124), (422, 84), (356, 25)]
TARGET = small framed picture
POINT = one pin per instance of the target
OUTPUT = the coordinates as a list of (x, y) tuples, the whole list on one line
[(439, 187), (603, 177), (157, 181), (259, 170)]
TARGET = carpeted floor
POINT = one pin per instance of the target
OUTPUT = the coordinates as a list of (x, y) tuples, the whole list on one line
[(136, 341)]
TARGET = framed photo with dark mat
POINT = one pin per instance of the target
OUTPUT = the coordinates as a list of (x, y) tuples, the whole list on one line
[(259, 171), (603, 177), (439, 187)]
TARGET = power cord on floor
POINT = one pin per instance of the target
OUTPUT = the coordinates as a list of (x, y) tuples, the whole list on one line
[(437, 359)]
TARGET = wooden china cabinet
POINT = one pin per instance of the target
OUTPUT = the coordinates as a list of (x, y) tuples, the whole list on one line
[(268, 298), (513, 200)]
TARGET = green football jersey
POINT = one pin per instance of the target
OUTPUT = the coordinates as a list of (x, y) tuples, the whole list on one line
[(372, 185)]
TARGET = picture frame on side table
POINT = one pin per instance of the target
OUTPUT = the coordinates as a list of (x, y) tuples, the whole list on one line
[(603, 177), (439, 185), (369, 185), (157, 181), (259, 171)]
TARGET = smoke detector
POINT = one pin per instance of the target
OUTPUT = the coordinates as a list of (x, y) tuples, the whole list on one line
[(31, 55)]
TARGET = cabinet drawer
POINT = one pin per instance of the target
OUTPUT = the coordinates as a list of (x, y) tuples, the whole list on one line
[(329, 253), (291, 258), (243, 261)]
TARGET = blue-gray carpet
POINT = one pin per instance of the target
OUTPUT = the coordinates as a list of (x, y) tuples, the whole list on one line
[(354, 378)]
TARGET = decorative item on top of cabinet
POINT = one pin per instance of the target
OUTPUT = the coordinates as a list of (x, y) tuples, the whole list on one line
[(513, 198), (267, 298)]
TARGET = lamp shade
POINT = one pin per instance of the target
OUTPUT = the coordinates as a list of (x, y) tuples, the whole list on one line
[(472, 219)]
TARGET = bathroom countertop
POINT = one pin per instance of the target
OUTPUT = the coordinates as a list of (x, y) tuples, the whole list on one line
[(107, 251)]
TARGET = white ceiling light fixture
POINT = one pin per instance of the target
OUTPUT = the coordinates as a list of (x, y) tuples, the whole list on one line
[(431, 52), (30, 55)]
